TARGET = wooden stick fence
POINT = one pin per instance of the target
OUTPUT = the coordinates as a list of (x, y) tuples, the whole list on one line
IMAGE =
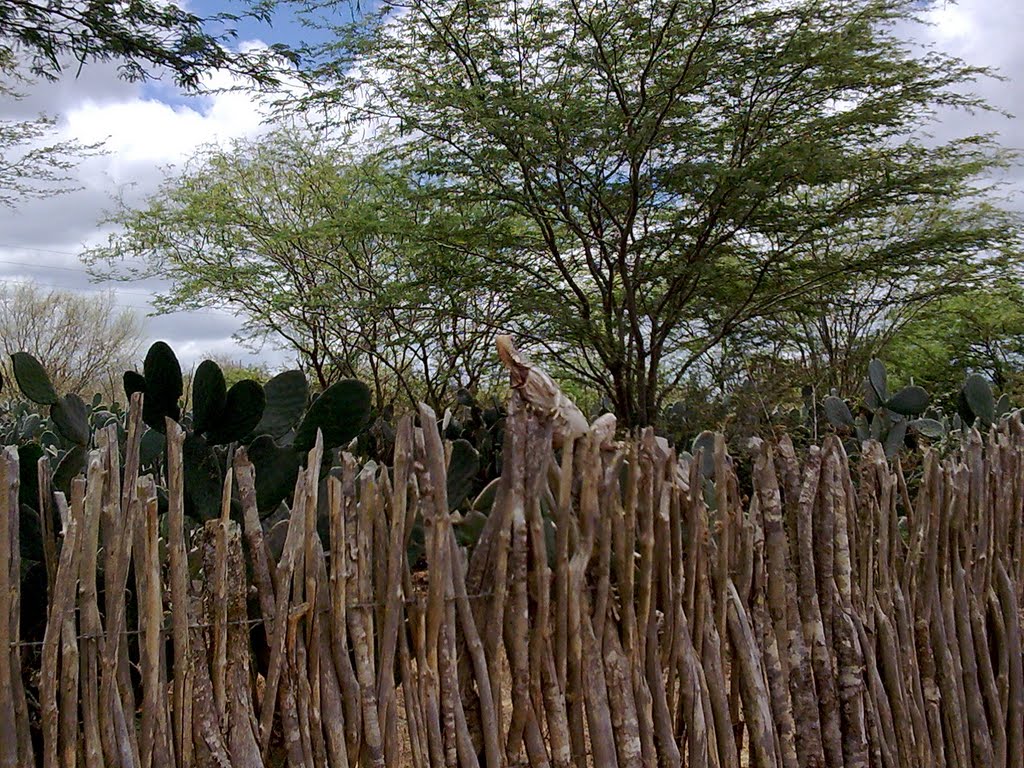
[(829, 618)]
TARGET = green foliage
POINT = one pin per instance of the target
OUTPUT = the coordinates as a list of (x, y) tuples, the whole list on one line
[(365, 272), (33, 163), (979, 331), (924, 256), (676, 189), (469, 528)]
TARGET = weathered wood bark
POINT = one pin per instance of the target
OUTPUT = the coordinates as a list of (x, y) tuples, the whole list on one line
[(869, 618), (62, 606), (752, 685), (225, 598), (178, 578), (8, 617)]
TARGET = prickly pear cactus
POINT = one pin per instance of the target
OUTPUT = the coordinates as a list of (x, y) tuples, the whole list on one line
[(886, 417)]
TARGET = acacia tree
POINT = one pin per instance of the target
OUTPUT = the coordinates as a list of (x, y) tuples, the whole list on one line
[(828, 338), (146, 38), (83, 341), (977, 331), (673, 158), (332, 251)]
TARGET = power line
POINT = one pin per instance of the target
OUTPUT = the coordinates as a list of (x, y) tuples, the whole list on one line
[(40, 266), (94, 288), (98, 289), (67, 269), (90, 287), (39, 250)]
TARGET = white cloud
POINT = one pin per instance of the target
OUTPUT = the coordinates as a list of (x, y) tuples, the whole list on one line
[(143, 136), (985, 33)]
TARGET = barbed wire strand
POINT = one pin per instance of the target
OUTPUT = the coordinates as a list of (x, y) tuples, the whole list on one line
[(165, 630)]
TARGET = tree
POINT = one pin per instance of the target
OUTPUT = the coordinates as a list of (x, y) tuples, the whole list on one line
[(675, 160), (331, 251), (827, 340), (979, 331), (145, 37), (83, 342)]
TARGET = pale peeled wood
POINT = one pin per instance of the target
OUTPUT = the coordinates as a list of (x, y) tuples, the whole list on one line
[(852, 637)]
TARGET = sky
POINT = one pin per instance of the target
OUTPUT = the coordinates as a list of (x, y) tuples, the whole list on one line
[(151, 128)]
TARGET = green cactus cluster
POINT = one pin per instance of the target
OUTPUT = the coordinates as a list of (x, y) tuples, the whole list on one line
[(894, 419), (885, 417), (56, 426), (278, 423)]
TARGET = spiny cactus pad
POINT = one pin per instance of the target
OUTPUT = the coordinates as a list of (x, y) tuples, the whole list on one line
[(164, 386), (276, 472), (243, 409), (32, 379), (70, 414), (909, 401), (209, 391), (978, 396), (340, 413), (286, 395), (462, 469)]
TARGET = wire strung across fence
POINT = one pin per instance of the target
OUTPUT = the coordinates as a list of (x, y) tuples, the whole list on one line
[(166, 630)]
